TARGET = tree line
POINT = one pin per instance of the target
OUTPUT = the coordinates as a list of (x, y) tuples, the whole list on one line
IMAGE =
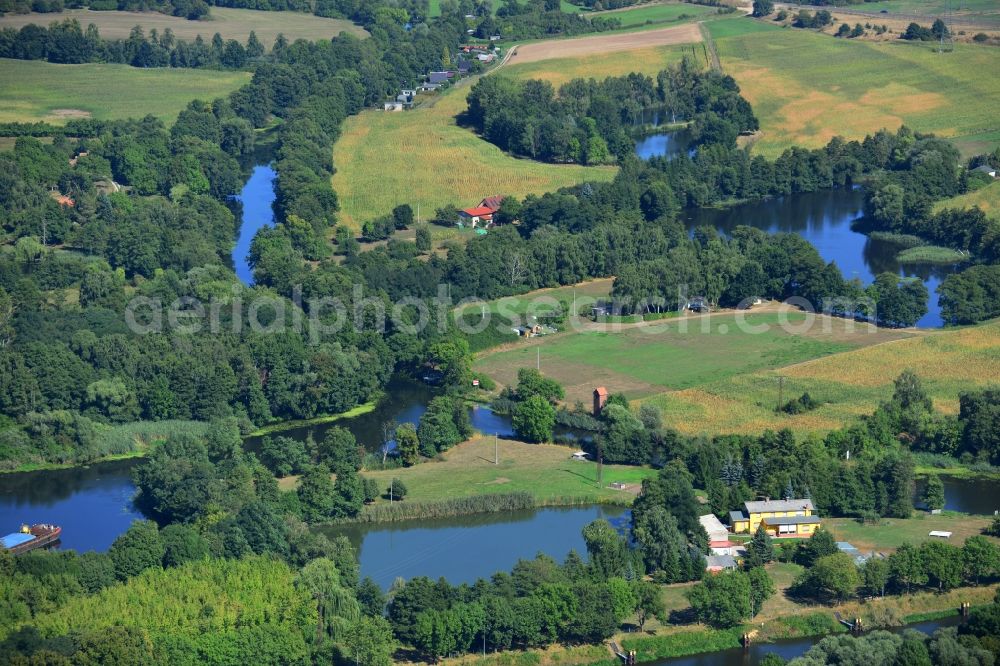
[(66, 42)]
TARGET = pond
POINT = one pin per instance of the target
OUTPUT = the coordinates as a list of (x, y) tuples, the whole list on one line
[(666, 144), (257, 196), (824, 219), (465, 548), (979, 495)]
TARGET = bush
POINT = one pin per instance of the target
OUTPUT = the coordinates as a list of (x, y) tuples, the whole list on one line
[(980, 37), (396, 490)]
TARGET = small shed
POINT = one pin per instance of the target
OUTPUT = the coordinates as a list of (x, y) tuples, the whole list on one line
[(717, 563), (580, 455), (941, 534), (393, 106), (987, 169), (600, 399)]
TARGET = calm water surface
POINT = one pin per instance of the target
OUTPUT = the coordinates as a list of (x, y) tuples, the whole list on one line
[(465, 548), (257, 196), (980, 496), (92, 504), (824, 219)]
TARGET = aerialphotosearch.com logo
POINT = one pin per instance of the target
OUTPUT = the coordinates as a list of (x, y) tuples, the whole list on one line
[(320, 318)]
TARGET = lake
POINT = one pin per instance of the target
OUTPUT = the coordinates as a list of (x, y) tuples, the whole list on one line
[(256, 197), (824, 219), (465, 548)]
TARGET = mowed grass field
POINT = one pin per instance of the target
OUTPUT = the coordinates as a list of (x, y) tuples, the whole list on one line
[(422, 157), (807, 88), (681, 354), (848, 384), (32, 90), (230, 23)]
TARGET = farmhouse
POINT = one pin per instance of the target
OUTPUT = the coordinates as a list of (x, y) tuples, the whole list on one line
[(493, 202), (475, 217), (791, 517)]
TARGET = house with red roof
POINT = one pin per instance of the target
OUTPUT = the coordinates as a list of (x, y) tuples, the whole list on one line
[(480, 216)]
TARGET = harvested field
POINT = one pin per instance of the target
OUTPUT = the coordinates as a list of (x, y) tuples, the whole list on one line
[(230, 23), (649, 61), (808, 87), (602, 44)]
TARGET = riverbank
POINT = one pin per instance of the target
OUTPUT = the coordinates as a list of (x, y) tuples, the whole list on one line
[(282, 426), (145, 435), (807, 622)]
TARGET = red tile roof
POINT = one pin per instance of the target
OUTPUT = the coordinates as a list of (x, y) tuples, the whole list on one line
[(481, 211), (600, 390)]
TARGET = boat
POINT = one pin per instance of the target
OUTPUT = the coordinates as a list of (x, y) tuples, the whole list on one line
[(29, 538)]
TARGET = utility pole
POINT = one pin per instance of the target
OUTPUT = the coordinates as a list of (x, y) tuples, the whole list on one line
[(538, 359), (496, 448), (390, 490), (781, 391)]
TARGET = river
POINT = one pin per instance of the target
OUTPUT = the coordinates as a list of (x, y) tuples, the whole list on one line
[(256, 198), (822, 218)]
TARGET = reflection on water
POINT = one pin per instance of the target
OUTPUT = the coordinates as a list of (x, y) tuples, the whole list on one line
[(668, 144), (980, 496), (465, 548), (824, 219), (256, 197), (92, 504)]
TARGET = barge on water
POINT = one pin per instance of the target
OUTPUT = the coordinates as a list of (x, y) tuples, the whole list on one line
[(29, 538)]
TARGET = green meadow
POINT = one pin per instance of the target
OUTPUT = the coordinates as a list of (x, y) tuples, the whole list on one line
[(32, 90), (808, 87)]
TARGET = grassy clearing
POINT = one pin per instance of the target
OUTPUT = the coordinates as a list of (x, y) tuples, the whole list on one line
[(679, 354), (32, 90), (542, 300), (807, 88), (647, 61), (230, 23), (543, 470), (891, 533), (987, 198), (422, 157), (848, 385)]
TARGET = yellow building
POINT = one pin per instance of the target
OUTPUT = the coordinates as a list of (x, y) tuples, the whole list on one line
[(787, 517), (791, 526)]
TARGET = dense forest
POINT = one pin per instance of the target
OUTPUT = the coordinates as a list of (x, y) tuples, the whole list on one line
[(590, 122), (111, 214)]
